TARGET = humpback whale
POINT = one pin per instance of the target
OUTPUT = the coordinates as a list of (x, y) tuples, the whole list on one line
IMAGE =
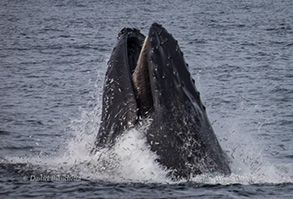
[(148, 79)]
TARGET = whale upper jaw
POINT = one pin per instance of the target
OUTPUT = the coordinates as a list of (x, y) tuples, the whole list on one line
[(168, 70), (148, 77)]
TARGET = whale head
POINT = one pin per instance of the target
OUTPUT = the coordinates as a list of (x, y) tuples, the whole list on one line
[(147, 77)]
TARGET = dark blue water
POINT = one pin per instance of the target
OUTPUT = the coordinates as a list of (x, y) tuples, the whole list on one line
[(53, 57)]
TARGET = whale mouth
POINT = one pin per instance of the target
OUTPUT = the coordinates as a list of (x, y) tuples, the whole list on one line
[(141, 82), (147, 77)]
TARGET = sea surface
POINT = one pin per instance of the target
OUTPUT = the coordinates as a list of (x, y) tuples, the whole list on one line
[(53, 58)]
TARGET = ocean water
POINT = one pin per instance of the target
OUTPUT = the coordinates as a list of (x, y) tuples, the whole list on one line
[(53, 58)]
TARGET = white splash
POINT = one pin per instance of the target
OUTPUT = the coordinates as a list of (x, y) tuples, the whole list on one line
[(131, 160)]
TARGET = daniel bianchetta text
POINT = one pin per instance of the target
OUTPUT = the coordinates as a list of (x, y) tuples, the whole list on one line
[(50, 178)]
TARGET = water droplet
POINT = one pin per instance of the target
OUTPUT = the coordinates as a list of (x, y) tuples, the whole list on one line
[(163, 42)]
